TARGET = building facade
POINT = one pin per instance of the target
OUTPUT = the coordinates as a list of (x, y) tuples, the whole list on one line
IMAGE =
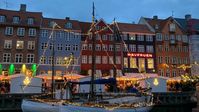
[(191, 26), (104, 51), (138, 48), (66, 36), (19, 32), (172, 46)]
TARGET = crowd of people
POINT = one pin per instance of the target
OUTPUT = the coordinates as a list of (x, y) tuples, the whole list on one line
[(4, 87)]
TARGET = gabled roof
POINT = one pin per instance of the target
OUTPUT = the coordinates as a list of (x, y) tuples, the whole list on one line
[(133, 28), (190, 24), (61, 23)]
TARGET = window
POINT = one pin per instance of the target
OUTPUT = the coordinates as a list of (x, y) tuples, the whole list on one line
[(110, 47), (104, 60), (140, 37), (32, 32), (184, 38), (104, 37), (159, 59), (98, 59), (167, 59), (159, 37), (68, 25), (110, 37), (118, 60), (161, 72), (21, 31), (149, 38), (178, 37), (8, 44), (59, 60), (43, 60), (159, 48), (141, 66), (2, 18), (44, 33), (18, 58), (16, 19), (84, 59), (150, 63), (111, 60), (98, 37), (59, 47), (185, 48), (140, 48), (44, 45), (174, 73), (31, 45), (132, 47), (133, 63), (90, 47), (9, 31), (84, 46), (125, 47), (172, 27), (167, 73), (30, 21), (172, 39), (50, 60), (20, 45), (166, 37), (117, 47), (149, 48), (104, 47), (89, 59), (125, 62), (166, 48), (6, 57), (174, 60), (98, 47), (132, 37), (68, 47), (124, 37), (30, 58), (75, 47)]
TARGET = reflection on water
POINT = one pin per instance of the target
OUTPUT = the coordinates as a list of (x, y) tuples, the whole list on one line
[(180, 108)]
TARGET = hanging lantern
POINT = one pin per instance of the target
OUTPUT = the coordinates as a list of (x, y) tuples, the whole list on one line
[(11, 69), (1, 68), (34, 69), (156, 82)]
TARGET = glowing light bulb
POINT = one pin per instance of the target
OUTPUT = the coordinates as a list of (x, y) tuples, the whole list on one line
[(26, 81)]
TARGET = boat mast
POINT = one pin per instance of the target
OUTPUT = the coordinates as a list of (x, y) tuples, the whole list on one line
[(114, 56), (93, 55)]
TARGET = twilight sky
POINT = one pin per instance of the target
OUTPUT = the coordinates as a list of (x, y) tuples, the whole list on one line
[(123, 10)]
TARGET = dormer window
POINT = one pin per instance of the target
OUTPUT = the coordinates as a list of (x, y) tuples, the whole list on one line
[(68, 25), (156, 27), (30, 21), (172, 27), (16, 19), (2, 18)]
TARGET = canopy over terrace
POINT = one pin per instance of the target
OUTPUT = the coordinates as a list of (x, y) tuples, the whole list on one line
[(67, 76), (135, 76)]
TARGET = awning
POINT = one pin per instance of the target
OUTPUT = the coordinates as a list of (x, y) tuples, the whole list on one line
[(98, 81)]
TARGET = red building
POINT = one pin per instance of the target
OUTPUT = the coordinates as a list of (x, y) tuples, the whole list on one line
[(104, 50)]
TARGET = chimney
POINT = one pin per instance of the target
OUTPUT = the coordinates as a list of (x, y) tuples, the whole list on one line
[(188, 16), (155, 17), (67, 18), (23, 7)]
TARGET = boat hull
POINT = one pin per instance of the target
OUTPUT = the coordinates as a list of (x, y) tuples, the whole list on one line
[(73, 108), (33, 106)]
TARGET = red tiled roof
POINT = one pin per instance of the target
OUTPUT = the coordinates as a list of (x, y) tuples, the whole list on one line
[(61, 23), (85, 26), (135, 28)]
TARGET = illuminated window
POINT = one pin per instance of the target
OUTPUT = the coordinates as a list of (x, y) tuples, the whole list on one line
[(30, 58), (150, 62), (141, 62), (21, 31), (84, 59), (133, 63), (31, 45), (19, 44), (125, 62), (132, 37), (8, 44)]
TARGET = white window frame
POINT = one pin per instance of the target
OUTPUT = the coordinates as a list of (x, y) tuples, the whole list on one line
[(18, 58), (30, 58), (6, 57), (20, 31), (2, 18), (31, 45), (32, 32), (7, 44), (141, 48), (30, 21), (16, 19), (9, 31), (84, 59)]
